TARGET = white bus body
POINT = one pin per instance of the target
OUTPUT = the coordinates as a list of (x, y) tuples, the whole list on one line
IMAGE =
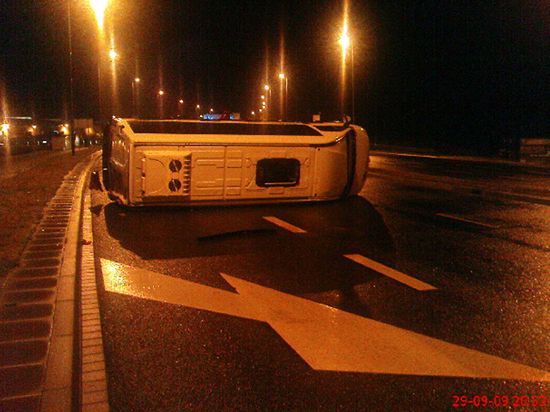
[(185, 162)]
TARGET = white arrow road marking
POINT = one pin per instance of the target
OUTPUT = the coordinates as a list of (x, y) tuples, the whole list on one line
[(392, 273), (325, 337), (284, 225)]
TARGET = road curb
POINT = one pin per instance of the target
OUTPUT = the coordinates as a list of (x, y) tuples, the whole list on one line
[(60, 393), (93, 378), (37, 308)]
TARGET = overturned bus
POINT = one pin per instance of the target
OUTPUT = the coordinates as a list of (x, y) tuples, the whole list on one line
[(187, 162)]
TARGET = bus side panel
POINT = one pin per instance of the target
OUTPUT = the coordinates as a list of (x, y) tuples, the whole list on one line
[(219, 173)]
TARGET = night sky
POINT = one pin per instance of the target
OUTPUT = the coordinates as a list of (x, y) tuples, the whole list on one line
[(444, 74)]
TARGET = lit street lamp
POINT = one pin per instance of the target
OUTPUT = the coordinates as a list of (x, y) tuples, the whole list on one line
[(346, 44), (267, 102), (283, 97), (135, 97), (99, 7), (161, 103), (112, 55)]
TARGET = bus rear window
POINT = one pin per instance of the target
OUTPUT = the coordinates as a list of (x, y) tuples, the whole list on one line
[(277, 172)]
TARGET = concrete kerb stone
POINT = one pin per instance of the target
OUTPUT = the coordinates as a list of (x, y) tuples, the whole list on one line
[(60, 385), (38, 310), (94, 394)]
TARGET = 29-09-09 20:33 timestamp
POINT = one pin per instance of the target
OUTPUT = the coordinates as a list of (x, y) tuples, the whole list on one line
[(515, 401)]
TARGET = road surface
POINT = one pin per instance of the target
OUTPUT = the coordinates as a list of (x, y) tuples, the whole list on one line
[(427, 292)]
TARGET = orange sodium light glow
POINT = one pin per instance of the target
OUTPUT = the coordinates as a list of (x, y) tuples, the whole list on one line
[(99, 7)]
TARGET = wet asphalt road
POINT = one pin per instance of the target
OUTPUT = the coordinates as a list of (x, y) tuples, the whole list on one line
[(488, 259)]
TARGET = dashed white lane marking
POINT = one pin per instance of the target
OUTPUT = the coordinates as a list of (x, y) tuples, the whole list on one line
[(284, 225), (469, 221), (392, 273), (325, 337)]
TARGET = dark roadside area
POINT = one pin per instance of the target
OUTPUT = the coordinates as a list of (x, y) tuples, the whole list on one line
[(27, 182), (541, 162), (477, 175)]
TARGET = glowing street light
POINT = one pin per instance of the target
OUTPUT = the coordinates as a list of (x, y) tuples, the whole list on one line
[(99, 6), (160, 102), (113, 55), (267, 102), (346, 43), (283, 97), (135, 96), (180, 101)]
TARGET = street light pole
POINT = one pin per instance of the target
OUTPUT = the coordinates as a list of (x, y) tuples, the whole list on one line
[(71, 96), (352, 85)]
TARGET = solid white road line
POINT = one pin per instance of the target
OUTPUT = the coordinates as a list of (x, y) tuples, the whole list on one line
[(392, 273), (462, 219), (284, 225)]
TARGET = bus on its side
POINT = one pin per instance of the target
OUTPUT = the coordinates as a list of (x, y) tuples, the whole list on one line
[(190, 163)]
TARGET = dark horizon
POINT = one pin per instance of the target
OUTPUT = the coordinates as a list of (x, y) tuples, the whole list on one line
[(465, 74)]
